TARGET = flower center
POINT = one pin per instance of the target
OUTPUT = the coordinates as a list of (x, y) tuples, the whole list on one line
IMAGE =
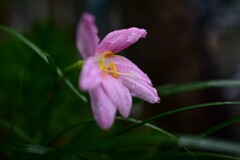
[(108, 67)]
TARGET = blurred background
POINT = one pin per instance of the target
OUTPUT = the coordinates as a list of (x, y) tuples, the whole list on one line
[(187, 41)]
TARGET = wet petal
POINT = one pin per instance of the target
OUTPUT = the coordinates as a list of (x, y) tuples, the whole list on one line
[(90, 76), (103, 108), (135, 80), (124, 65), (140, 89), (120, 39), (86, 36), (119, 94)]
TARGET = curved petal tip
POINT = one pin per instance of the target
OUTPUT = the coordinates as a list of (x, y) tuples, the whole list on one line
[(103, 109), (120, 39), (86, 36)]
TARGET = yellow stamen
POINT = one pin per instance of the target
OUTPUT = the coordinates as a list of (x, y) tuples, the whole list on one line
[(113, 69), (110, 67), (107, 54)]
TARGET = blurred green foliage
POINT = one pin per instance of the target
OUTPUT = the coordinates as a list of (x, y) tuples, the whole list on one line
[(29, 85), (42, 118)]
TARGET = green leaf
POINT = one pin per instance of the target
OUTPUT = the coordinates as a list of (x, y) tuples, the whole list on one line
[(198, 155), (175, 111), (66, 130), (14, 108), (156, 128), (22, 148), (180, 88), (46, 57), (221, 126), (209, 144), (106, 145), (17, 131), (92, 156)]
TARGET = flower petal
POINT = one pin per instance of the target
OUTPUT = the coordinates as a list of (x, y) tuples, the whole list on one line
[(90, 76), (86, 36), (120, 39), (140, 88), (103, 109), (119, 94), (135, 80), (125, 66)]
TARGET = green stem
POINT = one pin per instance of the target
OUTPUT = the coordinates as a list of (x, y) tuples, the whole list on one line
[(76, 67)]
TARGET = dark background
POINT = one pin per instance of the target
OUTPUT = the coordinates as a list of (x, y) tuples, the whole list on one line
[(187, 41)]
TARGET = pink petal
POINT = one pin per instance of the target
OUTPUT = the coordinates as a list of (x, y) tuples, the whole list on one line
[(103, 109), (120, 39), (124, 65), (119, 94), (90, 76), (140, 88), (86, 36)]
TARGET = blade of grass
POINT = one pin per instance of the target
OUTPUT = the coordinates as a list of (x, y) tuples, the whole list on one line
[(180, 110), (46, 57), (14, 107), (92, 156), (39, 150), (75, 126), (61, 133), (221, 126), (201, 155), (179, 88), (18, 131), (210, 144), (105, 145), (22, 148), (173, 112), (66, 130), (158, 129), (222, 156)]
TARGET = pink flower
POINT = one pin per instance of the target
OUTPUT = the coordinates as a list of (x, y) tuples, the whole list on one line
[(110, 79)]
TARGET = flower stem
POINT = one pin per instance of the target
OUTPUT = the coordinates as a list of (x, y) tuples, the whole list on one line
[(73, 68)]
